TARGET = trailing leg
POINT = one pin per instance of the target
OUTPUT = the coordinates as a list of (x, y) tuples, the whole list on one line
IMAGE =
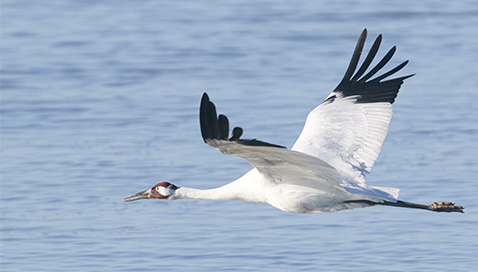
[(434, 207)]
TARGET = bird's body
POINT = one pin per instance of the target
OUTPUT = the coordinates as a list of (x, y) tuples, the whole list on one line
[(255, 187), (325, 169)]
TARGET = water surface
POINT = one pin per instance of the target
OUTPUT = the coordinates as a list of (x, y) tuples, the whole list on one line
[(99, 99)]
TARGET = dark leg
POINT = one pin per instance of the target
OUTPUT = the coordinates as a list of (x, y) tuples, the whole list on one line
[(434, 207)]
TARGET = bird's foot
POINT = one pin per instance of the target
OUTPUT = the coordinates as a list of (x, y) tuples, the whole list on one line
[(445, 207)]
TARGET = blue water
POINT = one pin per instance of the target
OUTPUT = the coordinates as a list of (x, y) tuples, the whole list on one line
[(99, 100)]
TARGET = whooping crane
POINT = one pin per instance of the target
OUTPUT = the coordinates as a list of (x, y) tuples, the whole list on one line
[(325, 169)]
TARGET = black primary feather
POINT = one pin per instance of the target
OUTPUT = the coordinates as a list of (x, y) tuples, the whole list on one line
[(374, 90), (217, 128)]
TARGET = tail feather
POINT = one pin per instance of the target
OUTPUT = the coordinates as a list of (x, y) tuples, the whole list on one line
[(392, 193), (385, 193)]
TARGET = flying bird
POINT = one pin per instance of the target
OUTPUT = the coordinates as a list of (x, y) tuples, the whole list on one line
[(324, 171)]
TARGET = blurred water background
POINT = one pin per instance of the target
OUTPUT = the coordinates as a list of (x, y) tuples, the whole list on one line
[(99, 100)]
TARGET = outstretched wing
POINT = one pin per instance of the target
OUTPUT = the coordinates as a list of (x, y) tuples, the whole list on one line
[(217, 128), (275, 162), (347, 130)]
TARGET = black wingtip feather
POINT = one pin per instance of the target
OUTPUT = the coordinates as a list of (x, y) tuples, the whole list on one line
[(368, 60), (380, 65), (223, 126), (202, 116), (236, 134), (375, 90), (355, 56), (391, 72), (214, 127)]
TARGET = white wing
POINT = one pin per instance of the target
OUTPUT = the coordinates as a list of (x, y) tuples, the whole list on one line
[(341, 138), (280, 165), (347, 130), (276, 163)]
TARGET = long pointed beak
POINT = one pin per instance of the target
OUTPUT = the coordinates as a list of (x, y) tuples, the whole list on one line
[(141, 195)]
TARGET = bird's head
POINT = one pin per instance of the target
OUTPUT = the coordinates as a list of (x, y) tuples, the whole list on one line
[(162, 190)]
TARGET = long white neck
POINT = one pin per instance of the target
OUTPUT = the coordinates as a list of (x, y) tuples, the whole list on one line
[(242, 189), (220, 193)]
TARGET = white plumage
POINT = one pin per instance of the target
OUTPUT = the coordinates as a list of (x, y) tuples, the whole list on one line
[(325, 169), (350, 139)]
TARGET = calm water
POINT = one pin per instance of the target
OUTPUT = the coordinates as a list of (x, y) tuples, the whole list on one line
[(99, 99)]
